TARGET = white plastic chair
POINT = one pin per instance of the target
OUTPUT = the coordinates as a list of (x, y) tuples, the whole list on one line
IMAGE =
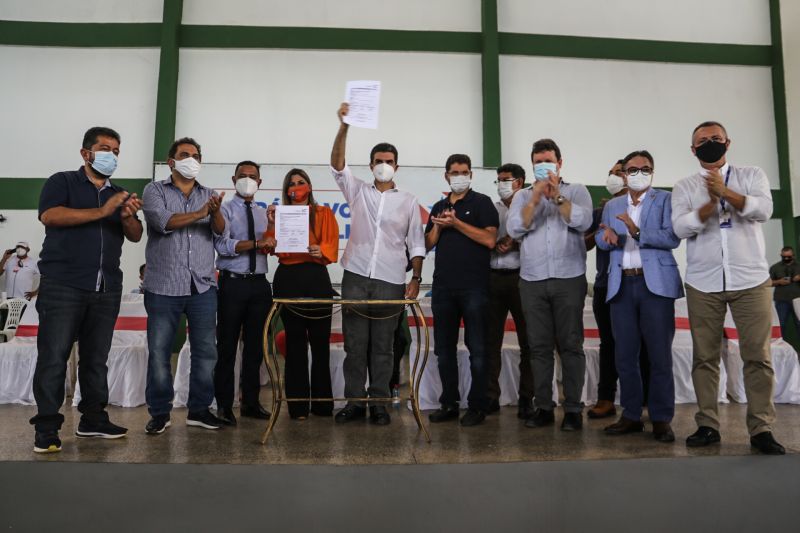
[(15, 308)]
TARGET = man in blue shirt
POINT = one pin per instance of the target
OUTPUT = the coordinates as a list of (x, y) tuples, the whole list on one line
[(244, 295), (86, 219), (182, 219)]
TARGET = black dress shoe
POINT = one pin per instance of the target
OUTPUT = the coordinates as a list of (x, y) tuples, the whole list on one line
[(572, 422), (473, 417), (379, 416), (350, 413), (702, 437), (254, 411), (494, 406), (444, 413), (540, 418), (662, 432), (623, 426), (524, 408), (765, 443), (225, 416)]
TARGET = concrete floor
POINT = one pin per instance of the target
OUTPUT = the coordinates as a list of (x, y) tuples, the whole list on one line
[(502, 438)]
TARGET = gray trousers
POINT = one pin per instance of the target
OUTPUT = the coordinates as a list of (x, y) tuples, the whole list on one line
[(375, 333), (554, 317)]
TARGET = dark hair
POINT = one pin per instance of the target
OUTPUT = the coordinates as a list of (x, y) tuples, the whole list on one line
[(141, 268), (546, 145), (247, 163), (183, 140), (708, 124), (638, 153), (458, 158), (382, 147), (514, 169), (91, 135), (787, 249), (619, 162), (285, 193)]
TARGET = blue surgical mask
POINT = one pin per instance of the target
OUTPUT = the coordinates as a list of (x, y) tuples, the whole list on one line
[(540, 170), (105, 163)]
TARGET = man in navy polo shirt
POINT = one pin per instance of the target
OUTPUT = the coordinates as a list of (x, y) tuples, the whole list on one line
[(86, 219), (463, 227)]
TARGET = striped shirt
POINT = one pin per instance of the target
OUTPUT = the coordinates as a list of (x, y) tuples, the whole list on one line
[(176, 258)]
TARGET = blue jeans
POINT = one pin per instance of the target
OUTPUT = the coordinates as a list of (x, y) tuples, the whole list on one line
[(449, 306), (67, 314), (163, 314), (785, 309)]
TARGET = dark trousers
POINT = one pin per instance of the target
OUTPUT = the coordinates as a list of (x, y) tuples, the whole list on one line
[(785, 310), (607, 384), (554, 314), (449, 307), (638, 315), (67, 314), (242, 308), (504, 298), (302, 332), (369, 328)]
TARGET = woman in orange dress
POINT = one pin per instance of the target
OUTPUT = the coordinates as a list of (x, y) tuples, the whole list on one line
[(305, 275)]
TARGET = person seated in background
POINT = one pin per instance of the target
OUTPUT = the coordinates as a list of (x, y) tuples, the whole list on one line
[(504, 298), (305, 275), (643, 284), (21, 272), (463, 228), (139, 289), (785, 276), (244, 296), (86, 219)]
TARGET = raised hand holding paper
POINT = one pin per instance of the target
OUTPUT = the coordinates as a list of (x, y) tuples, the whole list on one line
[(291, 228), (364, 98)]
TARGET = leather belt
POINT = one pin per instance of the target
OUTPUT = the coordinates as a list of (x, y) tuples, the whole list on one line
[(505, 271), (633, 272), (236, 275)]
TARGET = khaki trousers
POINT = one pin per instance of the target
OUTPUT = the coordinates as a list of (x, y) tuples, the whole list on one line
[(752, 314)]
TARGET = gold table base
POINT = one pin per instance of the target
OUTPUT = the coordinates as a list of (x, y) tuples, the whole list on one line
[(276, 378)]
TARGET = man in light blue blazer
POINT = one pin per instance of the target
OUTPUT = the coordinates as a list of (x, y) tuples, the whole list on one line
[(643, 283)]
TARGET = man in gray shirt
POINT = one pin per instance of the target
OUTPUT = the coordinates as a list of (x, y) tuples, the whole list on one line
[(550, 219), (182, 218)]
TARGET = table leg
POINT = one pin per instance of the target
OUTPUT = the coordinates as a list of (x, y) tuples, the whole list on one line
[(418, 377), (268, 360)]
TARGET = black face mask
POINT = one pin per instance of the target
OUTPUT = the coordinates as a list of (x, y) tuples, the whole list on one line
[(710, 151), (787, 260)]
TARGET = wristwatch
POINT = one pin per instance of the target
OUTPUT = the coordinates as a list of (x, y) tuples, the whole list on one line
[(418, 278), (560, 199), (637, 234)]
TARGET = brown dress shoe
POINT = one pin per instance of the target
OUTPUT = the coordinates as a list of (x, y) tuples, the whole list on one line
[(603, 409), (662, 432), (624, 426)]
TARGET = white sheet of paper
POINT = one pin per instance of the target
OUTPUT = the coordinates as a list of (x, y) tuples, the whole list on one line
[(291, 228), (364, 98)]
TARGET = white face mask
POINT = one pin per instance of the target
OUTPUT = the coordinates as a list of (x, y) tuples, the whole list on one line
[(459, 184), (638, 181), (246, 187), (383, 172), (505, 189), (614, 184), (21, 252), (189, 168)]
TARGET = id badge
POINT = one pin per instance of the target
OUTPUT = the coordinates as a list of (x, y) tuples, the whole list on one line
[(725, 221)]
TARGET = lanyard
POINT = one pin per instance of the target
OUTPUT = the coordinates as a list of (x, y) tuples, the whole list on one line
[(727, 177)]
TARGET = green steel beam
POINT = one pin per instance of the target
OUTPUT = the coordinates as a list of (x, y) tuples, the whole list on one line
[(80, 34), (167, 98), (490, 84)]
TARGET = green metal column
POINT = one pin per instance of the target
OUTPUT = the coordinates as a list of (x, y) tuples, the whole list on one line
[(490, 78), (167, 99), (784, 201)]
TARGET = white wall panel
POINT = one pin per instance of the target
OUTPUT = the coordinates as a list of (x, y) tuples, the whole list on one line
[(280, 106), (50, 97), (707, 21), (598, 111), (444, 15), (790, 21), (82, 10)]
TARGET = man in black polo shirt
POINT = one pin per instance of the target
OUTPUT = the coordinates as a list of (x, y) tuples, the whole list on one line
[(86, 219), (463, 227)]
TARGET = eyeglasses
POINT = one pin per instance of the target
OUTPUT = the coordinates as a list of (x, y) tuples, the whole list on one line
[(646, 171), (509, 180)]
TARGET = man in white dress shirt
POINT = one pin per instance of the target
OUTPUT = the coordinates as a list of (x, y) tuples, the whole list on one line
[(719, 211), (21, 272), (385, 222)]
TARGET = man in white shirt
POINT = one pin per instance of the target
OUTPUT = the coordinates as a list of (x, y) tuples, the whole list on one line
[(719, 210), (384, 223), (21, 272)]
